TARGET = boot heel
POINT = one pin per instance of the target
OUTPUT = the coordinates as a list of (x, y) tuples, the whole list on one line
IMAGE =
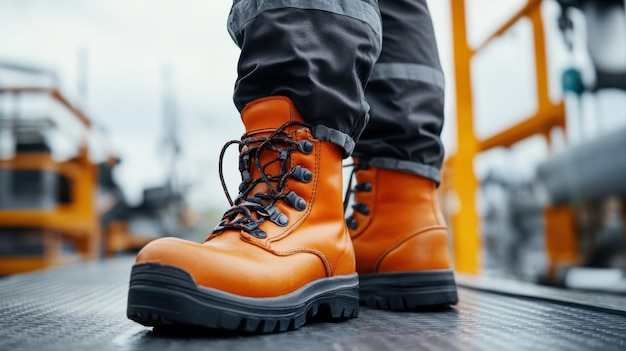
[(405, 291)]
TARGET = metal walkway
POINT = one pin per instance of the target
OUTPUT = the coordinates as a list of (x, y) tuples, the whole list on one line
[(84, 308)]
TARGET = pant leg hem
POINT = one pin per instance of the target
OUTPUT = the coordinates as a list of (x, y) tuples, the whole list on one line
[(336, 137), (420, 169)]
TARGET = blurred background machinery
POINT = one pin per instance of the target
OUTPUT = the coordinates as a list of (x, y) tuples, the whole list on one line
[(564, 224), (59, 201)]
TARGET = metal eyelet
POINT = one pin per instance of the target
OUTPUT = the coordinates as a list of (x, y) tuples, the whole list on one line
[(363, 187), (255, 231), (258, 233), (352, 223), (305, 146), (302, 174), (361, 208), (274, 216), (295, 201)]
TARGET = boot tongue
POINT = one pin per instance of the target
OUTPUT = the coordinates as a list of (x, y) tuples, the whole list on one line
[(267, 114)]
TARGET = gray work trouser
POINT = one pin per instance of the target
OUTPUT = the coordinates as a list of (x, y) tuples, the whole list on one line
[(335, 59)]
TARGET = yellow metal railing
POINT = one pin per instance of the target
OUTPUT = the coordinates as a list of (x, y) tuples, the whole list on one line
[(459, 175)]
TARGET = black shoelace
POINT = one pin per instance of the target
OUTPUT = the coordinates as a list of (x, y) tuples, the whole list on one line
[(249, 210), (357, 207)]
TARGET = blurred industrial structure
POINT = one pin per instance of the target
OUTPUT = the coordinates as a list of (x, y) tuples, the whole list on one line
[(59, 201), (566, 225)]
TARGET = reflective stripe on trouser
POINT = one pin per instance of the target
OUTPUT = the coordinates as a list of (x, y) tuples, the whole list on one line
[(319, 53), (406, 94)]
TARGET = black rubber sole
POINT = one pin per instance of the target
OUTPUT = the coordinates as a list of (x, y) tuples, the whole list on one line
[(406, 291), (164, 297)]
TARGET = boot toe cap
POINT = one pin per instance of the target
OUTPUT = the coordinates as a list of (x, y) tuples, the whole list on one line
[(241, 272)]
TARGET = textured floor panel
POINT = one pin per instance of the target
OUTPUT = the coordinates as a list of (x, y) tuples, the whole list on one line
[(610, 302), (83, 308)]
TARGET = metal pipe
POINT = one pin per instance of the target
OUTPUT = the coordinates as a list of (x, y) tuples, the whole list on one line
[(592, 170)]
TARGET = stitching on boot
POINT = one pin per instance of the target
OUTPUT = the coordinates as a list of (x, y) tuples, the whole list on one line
[(327, 265)]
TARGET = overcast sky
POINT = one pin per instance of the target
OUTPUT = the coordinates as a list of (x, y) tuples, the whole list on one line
[(128, 42)]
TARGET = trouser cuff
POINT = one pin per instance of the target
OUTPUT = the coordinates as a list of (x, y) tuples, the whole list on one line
[(420, 169), (336, 137)]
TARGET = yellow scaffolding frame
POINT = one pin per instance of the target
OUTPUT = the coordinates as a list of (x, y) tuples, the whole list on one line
[(79, 220), (76, 221), (460, 173)]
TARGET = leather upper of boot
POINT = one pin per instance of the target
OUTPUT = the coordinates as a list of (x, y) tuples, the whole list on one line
[(266, 248), (397, 224)]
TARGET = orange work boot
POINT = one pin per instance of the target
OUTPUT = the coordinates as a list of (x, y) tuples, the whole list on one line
[(280, 255), (400, 241)]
